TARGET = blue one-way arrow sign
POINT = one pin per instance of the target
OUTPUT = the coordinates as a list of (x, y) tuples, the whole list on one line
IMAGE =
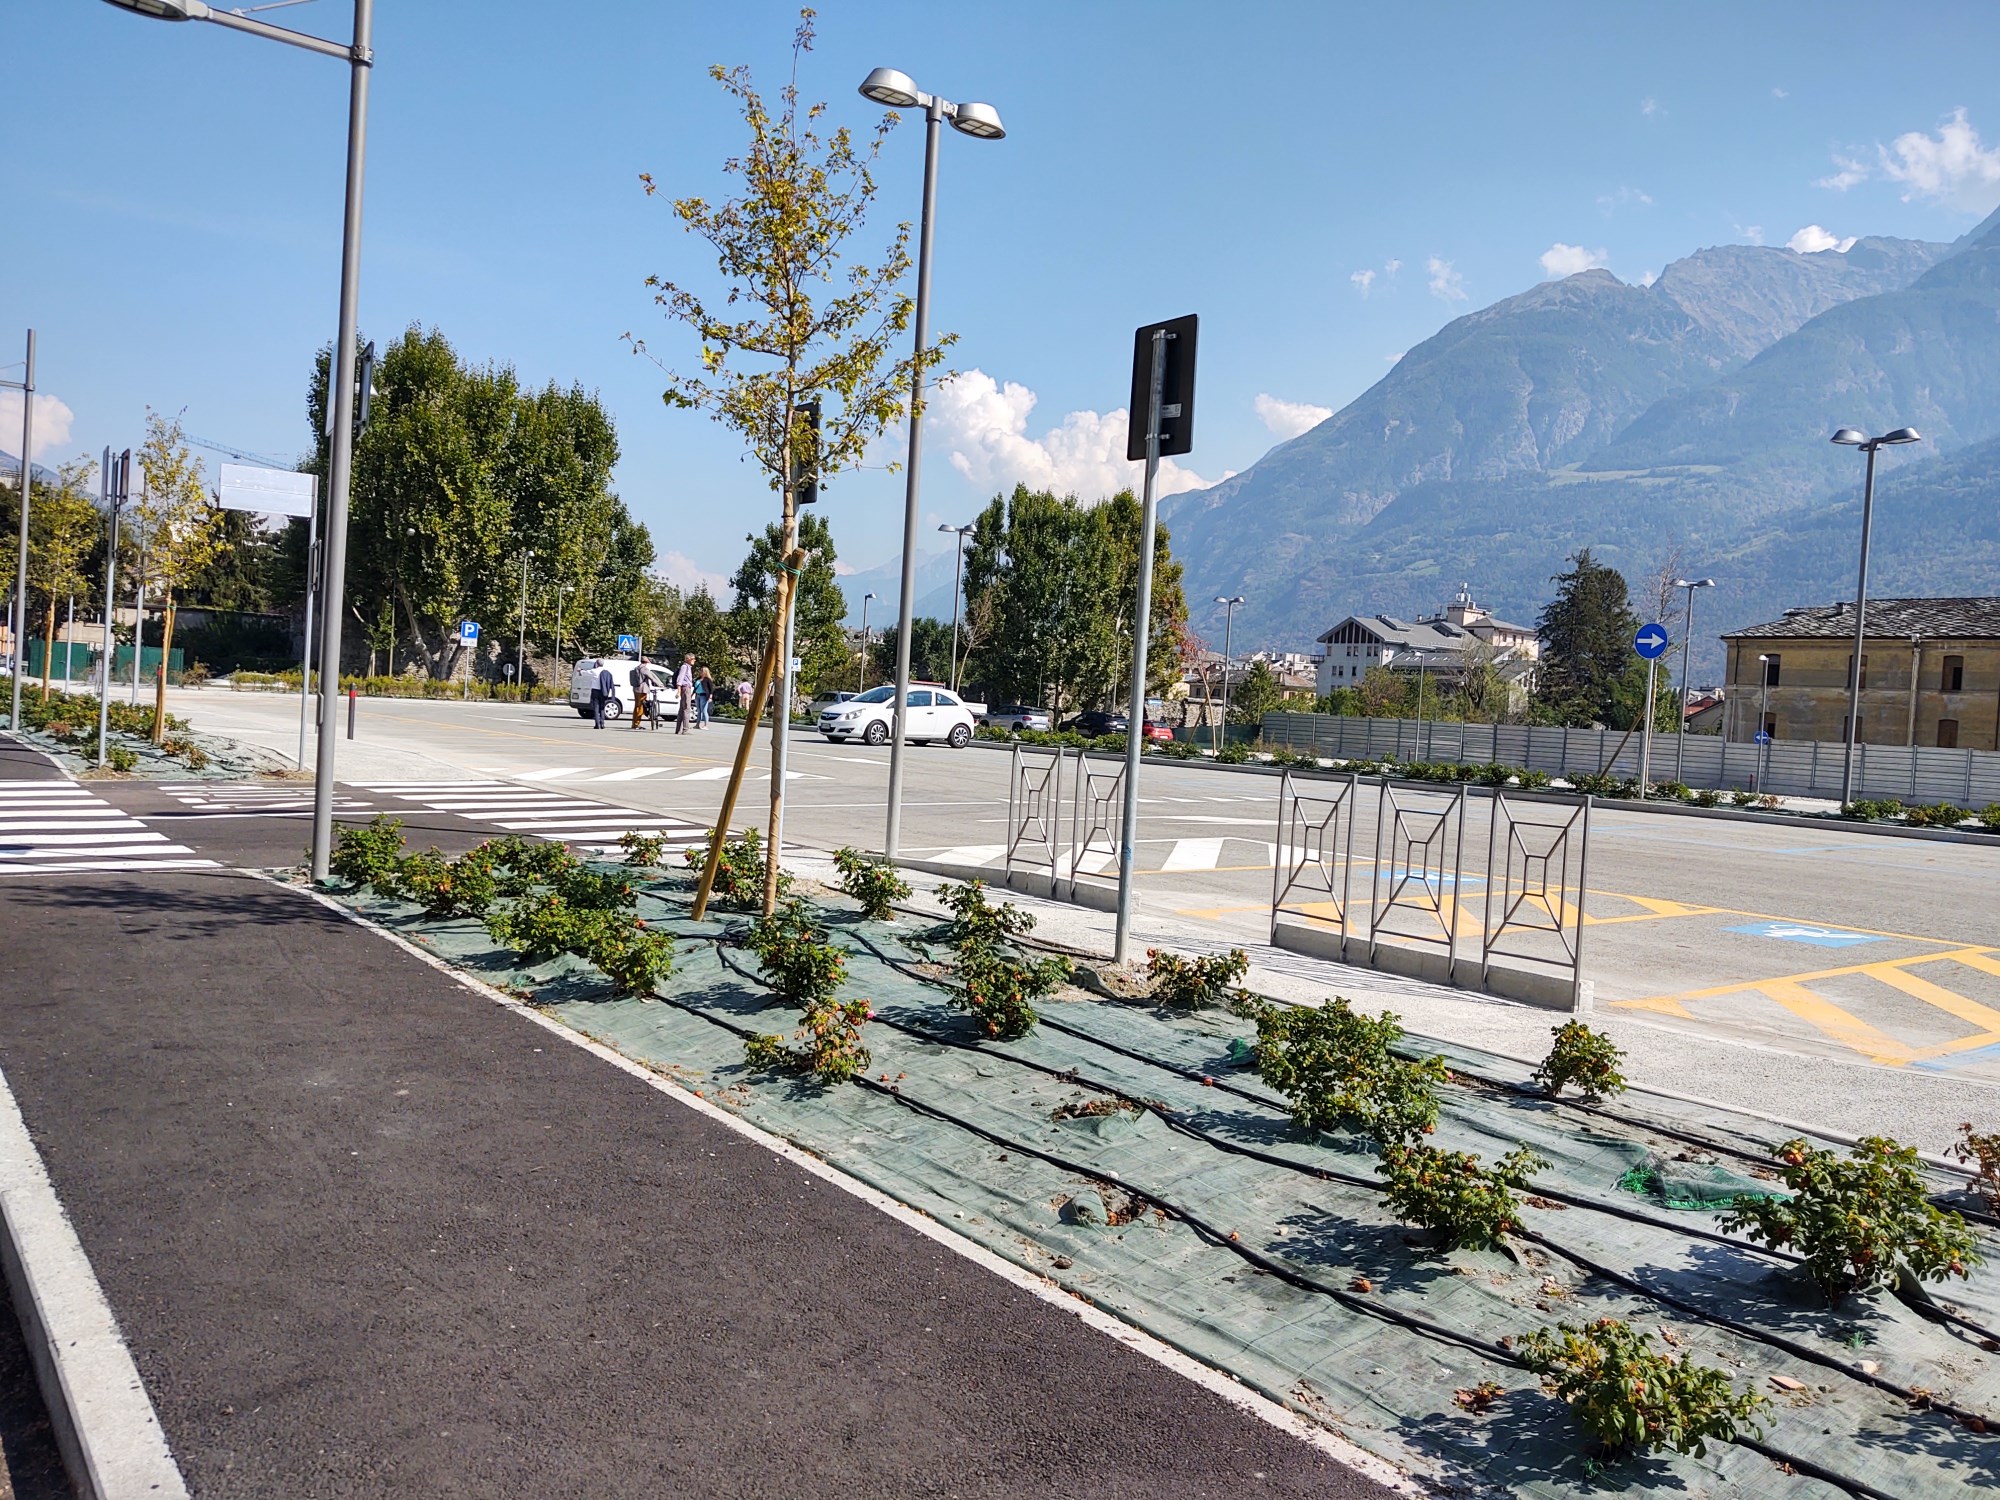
[(1650, 642)]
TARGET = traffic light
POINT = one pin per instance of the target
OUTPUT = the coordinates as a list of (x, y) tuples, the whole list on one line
[(805, 477)]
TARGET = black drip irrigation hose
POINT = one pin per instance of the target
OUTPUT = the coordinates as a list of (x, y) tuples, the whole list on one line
[(1929, 1310), (1270, 1265)]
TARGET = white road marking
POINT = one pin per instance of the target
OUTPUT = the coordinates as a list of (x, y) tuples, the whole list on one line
[(630, 775), (550, 773), (1194, 854)]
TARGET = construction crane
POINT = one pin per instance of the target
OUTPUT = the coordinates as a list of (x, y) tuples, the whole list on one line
[(254, 458)]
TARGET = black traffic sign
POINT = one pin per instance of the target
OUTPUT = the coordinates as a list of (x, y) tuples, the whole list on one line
[(1176, 391)]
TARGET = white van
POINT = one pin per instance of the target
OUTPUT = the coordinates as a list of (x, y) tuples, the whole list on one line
[(583, 682)]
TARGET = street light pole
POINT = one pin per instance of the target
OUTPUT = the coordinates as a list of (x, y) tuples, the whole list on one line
[(865, 599), (1763, 735), (957, 587), (20, 623), (896, 90), (360, 60), (1687, 639), (1228, 625), (1847, 437), (521, 649)]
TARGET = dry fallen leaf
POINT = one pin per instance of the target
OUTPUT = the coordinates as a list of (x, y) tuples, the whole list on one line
[(1786, 1383), (1361, 1284)]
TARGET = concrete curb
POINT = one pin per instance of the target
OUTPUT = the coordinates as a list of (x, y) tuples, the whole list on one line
[(105, 1425)]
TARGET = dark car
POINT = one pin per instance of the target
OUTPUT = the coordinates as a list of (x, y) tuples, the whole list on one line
[(1096, 721)]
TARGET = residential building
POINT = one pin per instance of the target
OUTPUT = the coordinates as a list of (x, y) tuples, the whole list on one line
[(1930, 674), (1440, 643)]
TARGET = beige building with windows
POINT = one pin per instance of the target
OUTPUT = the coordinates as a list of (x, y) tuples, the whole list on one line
[(1930, 674)]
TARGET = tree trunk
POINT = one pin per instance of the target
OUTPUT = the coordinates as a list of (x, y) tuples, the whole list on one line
[(48, 648), (160, 682)]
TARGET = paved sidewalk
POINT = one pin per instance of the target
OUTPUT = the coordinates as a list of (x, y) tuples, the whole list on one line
[(367, 1232)]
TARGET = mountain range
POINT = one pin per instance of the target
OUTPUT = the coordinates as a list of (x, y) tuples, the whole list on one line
[(1682, 421)]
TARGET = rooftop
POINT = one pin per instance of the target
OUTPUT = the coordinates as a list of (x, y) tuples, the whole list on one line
[(1888, 619)]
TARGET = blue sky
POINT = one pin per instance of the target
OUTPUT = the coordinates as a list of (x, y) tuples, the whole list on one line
[(1325, 184)]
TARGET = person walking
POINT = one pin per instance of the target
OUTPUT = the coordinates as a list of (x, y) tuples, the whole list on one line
[(639, 686), (743, 692), (601, 695), (704, 691), (684, 689)]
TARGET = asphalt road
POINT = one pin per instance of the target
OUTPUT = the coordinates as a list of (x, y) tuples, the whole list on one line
[(367, 1233), (1826, 939)]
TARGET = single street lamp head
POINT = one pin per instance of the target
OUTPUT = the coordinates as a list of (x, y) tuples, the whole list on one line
[(1901, 435), (979, 120), (888, 87), (866, 597), (1847, 437), (165, 10)]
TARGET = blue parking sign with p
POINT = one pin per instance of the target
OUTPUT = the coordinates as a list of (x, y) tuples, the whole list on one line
[(627, 643), (468, 631)]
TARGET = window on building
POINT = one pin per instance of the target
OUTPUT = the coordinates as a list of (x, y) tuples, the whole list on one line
[(1947, 734), (1771, 672), (1771, 725), (1860, 729), (1954, 674), (1864, 669)]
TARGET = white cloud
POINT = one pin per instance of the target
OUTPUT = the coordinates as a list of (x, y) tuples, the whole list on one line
[(1649, 278), (1446, 283), (1949, 167), (1781, 93), (1851, 172), (1753, 234), (1362, 281), (983, 426), (684, 573), (1566, 260), (1392, 265), (1623, 197), (1812, 239), (1395, 358), (1650, 107), (53, 420), (1289, 418)]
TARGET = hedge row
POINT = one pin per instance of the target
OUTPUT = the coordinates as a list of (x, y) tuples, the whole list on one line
[(408, 687)]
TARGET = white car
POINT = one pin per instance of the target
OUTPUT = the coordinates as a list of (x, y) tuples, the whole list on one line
[(583, 681), (935, 714)]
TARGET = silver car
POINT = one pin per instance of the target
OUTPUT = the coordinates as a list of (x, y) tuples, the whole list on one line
[(1016, 716)]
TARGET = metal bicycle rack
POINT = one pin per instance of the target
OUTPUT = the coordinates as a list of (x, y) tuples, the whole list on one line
[(1522, 856), (1098, 816), (1034, 807), (1426, 850), (1315, 848)]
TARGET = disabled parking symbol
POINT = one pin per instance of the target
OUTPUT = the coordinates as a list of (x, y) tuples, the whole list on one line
[(1802, 932)]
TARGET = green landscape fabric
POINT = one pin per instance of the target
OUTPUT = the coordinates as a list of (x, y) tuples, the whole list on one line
[(1387, 1387)]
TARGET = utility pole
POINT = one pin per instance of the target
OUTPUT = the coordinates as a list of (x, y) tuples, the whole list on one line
[(27, 389)]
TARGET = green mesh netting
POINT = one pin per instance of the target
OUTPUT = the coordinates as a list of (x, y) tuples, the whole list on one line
[(1256, 1268)]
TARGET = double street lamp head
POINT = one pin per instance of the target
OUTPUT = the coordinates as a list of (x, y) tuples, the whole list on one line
[(1219, 599), (896, 90), (1847, 437), (1694, 583)]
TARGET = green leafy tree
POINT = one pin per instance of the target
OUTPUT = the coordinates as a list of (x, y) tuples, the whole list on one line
[(930, 652), (1256, 695), (183, 530), (62, 524), (1123, 517), (1586, 632), (819, 638), (457, 472), (1043, 572)]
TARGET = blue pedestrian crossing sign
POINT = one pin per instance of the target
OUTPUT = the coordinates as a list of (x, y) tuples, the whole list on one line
[(1650, 642), (468, 631), (627, 644)]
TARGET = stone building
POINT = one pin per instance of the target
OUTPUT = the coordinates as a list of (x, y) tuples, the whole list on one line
[(1930, 674)]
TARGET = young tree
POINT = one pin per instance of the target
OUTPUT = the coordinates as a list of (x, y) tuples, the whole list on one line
[(61, 528), (1586, 632), (1387, 695), (1256, 695), (183, 528), (796, 320)]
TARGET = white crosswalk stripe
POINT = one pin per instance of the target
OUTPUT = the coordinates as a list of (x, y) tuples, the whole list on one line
[(58, 827), (578, 821), (220, 799)]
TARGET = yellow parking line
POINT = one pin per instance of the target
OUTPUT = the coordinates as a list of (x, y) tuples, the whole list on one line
[(1842, 1026), (1896, 977)]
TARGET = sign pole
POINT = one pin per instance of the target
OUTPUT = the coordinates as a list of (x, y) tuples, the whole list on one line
[(110, 489), (306, 646), (1135, 704), (1646, 735)]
